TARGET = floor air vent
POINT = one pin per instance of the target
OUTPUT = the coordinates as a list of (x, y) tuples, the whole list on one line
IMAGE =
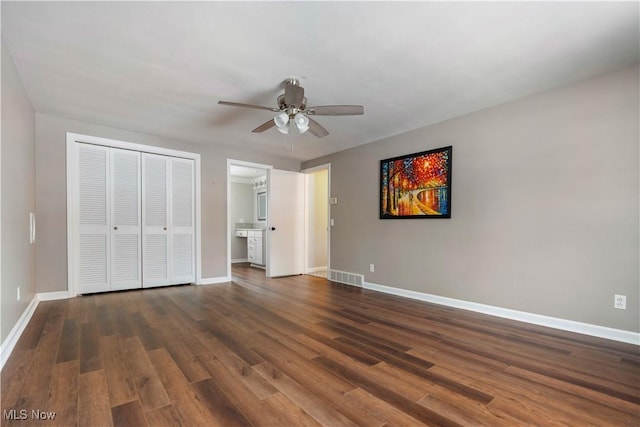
[(346, 278)]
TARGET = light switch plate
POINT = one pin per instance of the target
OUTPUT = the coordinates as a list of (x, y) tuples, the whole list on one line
[(32, 228)]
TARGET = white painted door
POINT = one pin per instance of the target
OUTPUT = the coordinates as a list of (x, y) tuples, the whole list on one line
[(155, 220), (93, 273), (125, 219), (109, 248), (285, 218), (168, 219), (182, 237)]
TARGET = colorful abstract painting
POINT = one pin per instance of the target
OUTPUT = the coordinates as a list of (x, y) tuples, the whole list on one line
[(416, 185)]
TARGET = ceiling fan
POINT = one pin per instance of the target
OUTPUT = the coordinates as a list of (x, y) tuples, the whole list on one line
[(293, 111)]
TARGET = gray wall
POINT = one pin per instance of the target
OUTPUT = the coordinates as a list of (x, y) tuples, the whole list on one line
[(18, 195), (241, 206), (544, 207), (51, 252)]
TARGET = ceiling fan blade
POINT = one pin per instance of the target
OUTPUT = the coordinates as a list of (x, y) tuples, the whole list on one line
[(257, 107), (293, 95), (266, 125), (336, 110), (317, 129)]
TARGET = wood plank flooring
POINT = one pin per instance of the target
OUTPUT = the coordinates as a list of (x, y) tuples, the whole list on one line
[(302, 351)]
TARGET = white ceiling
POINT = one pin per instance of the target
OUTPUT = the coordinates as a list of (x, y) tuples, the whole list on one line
[(245, 172), (161, 67)]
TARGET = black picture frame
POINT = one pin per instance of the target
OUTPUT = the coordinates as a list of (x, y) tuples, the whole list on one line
[(416, 186)]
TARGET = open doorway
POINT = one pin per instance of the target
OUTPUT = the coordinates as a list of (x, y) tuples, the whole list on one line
[(317, 183), (246, 219), (293, 237)]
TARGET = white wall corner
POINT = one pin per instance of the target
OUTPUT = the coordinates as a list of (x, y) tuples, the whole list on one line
[(522, 316), (12, 339)]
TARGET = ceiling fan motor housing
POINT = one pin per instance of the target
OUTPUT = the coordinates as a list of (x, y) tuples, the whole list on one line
[(291, 109)]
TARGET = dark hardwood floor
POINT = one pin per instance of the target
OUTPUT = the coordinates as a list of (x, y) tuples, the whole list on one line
[(304, 351)]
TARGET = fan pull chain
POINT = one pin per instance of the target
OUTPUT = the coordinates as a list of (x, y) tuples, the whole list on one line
[(288, 138)]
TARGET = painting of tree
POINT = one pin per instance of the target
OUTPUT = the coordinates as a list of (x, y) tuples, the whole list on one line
[(416, 185)]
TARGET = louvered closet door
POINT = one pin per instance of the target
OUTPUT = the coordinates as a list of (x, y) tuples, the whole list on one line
[(155, 208), (168, 217), (125, 219), (181, 221), (93, 260)]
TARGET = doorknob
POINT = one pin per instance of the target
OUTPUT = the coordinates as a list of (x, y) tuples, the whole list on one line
[(273, 229)]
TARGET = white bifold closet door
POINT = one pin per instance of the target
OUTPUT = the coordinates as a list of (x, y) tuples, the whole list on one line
[(109, 219), (168, 220)]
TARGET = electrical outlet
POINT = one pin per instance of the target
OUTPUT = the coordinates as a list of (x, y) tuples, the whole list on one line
[(18, 293), (620, 301), (372, 268)]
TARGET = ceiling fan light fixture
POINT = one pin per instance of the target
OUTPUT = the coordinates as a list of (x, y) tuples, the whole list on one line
[(302, 122), (281, 121), (284, 129)]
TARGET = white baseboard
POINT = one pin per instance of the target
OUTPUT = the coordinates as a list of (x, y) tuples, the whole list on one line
[(236, 261), (12, 339), (214, 280), (52, 296), (522, 316), (314, 269)]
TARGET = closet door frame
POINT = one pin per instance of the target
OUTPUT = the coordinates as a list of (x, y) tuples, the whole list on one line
[(73, 198)]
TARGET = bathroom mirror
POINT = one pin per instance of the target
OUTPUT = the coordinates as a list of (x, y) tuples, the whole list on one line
[(262, 206)]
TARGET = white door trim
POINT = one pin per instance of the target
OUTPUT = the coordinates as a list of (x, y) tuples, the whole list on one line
[(72, 199)]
